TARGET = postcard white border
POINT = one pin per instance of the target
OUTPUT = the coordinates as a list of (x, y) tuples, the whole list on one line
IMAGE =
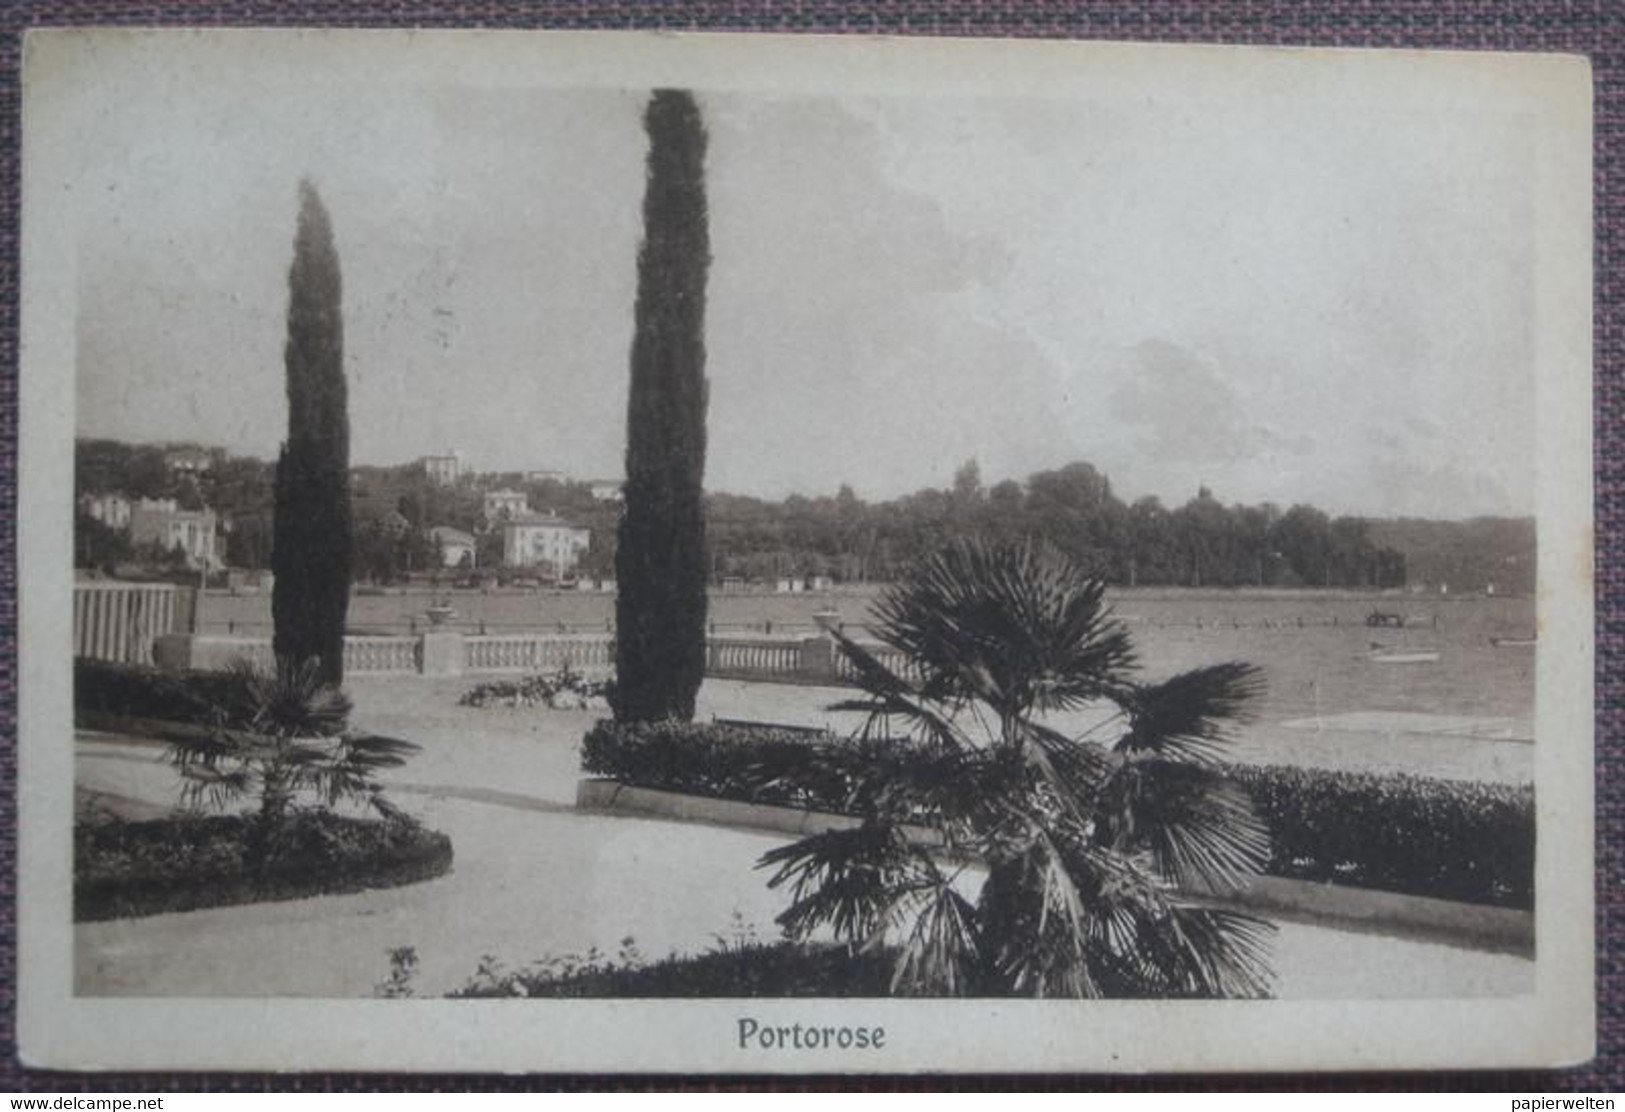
[(1553, 1026)]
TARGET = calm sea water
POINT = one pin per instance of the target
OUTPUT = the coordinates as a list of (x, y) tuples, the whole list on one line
[(1315, 650)]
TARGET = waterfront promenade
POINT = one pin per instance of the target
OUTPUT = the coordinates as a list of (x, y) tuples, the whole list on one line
[(534, 877)]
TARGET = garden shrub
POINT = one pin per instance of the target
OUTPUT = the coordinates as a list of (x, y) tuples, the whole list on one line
[(140, 691), (563, 689), (126, 868), (1448, 839), (725, 761), (781, 969)]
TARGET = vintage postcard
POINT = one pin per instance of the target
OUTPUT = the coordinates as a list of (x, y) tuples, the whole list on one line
[(551, 552)]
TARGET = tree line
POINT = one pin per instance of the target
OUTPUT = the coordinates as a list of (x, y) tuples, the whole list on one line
[(1146, 542), (1202, 543)]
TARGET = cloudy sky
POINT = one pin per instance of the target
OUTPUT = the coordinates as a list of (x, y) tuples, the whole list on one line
[(1327, 302)]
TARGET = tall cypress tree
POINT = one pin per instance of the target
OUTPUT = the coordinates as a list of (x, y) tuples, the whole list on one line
[(313, 540), (661, 562)]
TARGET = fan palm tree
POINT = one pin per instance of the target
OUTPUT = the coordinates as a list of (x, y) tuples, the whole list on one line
[(1091, 848), (281, 733)]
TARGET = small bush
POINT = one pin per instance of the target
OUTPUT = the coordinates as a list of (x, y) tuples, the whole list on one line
[(126, 869), (1455, 840), (559, 690), (752, 764), (782, 969), (138, 691)]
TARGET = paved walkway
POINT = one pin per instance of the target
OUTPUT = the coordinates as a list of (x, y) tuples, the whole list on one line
[(535, 878)]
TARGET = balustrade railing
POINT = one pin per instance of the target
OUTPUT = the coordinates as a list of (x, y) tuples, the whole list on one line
[(806, 660), (375, 655), (120, 621), (753, 657), (894, 659), (536, 652)]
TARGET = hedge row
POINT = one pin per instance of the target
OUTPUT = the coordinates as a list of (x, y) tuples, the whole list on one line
[(1451, 839), (1448, 839), (725, 761), (780, 969), (179, 864), (138, 691)]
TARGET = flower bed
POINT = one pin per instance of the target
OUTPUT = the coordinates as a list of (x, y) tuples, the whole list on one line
[(239, 736), (564, 689), (1446, 839), (126, 869)]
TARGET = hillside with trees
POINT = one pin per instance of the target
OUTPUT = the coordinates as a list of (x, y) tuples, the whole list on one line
[(1147, 542)]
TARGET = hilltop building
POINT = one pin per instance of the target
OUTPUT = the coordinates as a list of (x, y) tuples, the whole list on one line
[(444, 470), (188, 460), (505, 505), (112, 510), (157, 522), (543, 541), (605, 490)]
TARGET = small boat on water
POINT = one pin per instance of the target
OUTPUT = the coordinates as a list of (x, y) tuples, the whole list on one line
[(1512, 642), (1403, 656)]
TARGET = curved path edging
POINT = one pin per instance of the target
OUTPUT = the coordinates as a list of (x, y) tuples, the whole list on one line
[(1499, 929)]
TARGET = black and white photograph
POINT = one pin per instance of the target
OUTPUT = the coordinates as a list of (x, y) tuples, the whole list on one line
[(627, 552)]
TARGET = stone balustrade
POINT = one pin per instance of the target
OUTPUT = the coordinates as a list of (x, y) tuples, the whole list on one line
[(119, 621), (537, 652), (443, 652)]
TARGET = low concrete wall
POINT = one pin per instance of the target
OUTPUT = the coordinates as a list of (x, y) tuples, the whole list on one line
[(612, 795), (1347, 908), (1503, 929), (208, 652), (446, 652)]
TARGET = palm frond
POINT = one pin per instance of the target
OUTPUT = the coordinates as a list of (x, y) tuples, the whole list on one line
[(1186, 717), (1203, 952), (1038, 923), (940, 955), (1147, 942), (371, 752), (385, 808), (203, 784), (1201, 830), (893, 696), (294, 700), (846, 879), (1021, 627), (1074, 769)]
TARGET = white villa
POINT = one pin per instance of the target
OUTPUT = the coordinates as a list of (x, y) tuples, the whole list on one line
[(543, 541), (505, 504), (443, 470), (157, 521), (454, 545), (112, 510)]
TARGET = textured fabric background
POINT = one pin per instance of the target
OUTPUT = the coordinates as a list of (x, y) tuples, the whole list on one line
[(1596, 29)]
